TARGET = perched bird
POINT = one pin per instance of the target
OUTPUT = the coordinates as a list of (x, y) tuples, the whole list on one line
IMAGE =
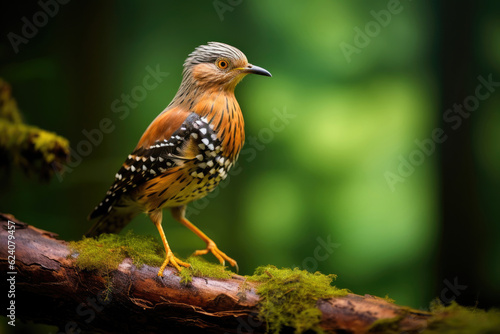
[(185, 152)]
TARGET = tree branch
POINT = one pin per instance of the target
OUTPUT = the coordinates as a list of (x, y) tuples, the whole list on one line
[(50, 290)]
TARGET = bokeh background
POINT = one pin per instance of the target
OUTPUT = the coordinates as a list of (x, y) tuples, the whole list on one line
[(321, 189)]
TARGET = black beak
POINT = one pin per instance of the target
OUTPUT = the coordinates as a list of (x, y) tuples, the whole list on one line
[(256, 70)]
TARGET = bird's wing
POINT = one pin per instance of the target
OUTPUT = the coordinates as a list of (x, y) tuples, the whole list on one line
[(153, 159), (163, 126)]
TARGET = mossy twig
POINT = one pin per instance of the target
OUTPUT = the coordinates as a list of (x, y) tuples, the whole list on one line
[(35, 151)]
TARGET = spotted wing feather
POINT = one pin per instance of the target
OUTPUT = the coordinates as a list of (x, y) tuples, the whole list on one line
[(147, 163)]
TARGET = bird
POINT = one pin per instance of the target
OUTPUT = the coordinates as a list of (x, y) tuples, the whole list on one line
[(185, 152)]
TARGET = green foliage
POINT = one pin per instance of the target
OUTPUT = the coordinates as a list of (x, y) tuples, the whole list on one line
[(202, 268), (35, 150), (288, 297), (456, 319), (107, 251)]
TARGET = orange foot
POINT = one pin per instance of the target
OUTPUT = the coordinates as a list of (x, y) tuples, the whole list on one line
[(220, 255), (171, 259)]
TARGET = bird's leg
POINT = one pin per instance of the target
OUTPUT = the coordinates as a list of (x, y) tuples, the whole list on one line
[(156, 218), (178, 214)]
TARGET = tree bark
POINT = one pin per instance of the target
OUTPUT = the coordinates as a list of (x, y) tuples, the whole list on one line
[(49, 289)]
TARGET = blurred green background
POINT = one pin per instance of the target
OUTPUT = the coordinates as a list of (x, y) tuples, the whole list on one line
[(361, 81)]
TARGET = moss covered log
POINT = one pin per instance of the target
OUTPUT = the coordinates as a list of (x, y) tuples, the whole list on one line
[(37, 152), (91, 284)]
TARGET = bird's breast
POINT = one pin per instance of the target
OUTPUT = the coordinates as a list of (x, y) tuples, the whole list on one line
[(223, 113)]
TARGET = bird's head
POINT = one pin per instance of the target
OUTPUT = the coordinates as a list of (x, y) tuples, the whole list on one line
[(218, 65)]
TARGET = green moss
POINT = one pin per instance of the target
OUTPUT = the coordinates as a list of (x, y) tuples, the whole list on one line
[(202, 268), (387, 325), (455, 319), (8, 106), (288, 297), (186, 276), (389, 299), (107, 251)]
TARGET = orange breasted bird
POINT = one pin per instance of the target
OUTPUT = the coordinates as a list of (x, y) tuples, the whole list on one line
[(185, 152)]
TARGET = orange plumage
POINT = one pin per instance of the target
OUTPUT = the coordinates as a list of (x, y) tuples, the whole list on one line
[(186, 151)]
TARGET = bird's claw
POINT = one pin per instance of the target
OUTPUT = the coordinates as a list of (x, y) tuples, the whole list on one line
[(175, 262), (220, 255)]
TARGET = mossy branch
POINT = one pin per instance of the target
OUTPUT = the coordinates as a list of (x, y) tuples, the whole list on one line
[(89, 285), (35, 151)]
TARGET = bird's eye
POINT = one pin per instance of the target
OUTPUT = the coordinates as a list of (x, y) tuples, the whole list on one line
[(222, 64)]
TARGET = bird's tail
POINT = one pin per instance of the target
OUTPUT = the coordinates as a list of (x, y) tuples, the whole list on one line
[(112, 221)]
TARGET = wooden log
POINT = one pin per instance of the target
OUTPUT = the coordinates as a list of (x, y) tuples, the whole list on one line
[(49, 289)]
